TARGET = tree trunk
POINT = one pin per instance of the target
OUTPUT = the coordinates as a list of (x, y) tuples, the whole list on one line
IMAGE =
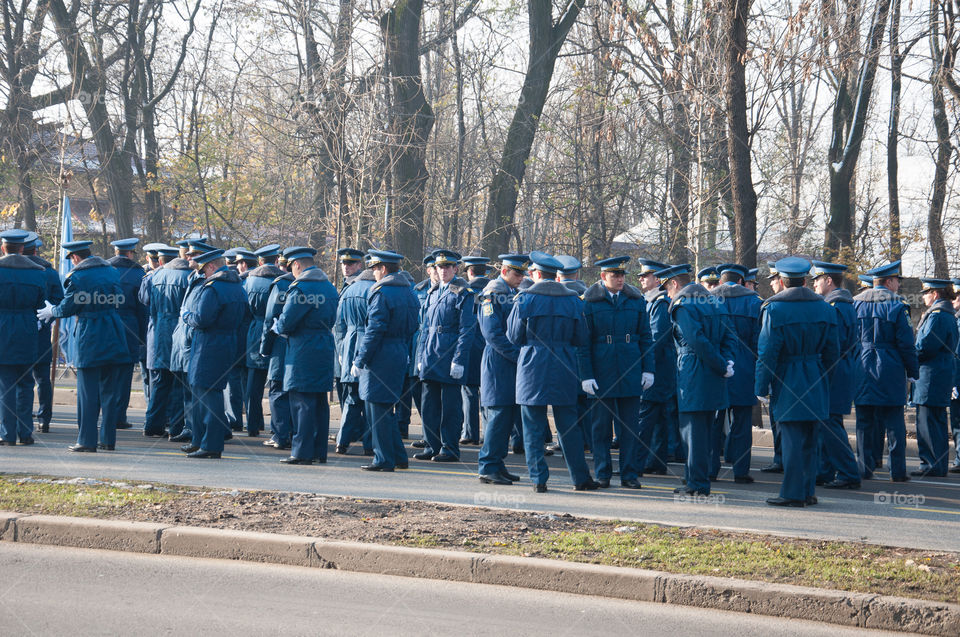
[(895, 250), (944, 151), (679, 209)]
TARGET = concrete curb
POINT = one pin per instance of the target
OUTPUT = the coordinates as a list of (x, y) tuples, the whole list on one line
[(778, 600)]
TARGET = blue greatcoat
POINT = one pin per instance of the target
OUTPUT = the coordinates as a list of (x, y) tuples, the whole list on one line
[(447, 332), (743, 308), (936, 350), (257, 286), (620, 346), (307, 320), (798, 344), (220, 309), (163, 291), (132, 311), (54, 295), (547, 324), (887, 354), (498, 365), (704, 345), (392, 313), (843, 376), (182, 340), (92, 293), (351, 321), (271, 345), (664, 348), (24, 285), (472, 373), (421, 290)]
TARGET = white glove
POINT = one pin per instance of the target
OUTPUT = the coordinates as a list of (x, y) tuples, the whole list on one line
[(273, 327), (729, 371), (45, 313), (456, 371), (646, 380), (911, 380), (341, 362), (956, 394), (354, 371), (764, 400), (590, 386)]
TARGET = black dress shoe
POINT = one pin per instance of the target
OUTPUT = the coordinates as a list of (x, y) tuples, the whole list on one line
[(655, 472), (820, 482), (842, 484), (747, 479), (540, 488), (443, 457), (106, 447), (811, 500), (903, 479), (493, 478), (189, 448), (293, 460), (553, 446), (270, 443), (341, 450), (512, 477), (615, 444), (772, 468), (184, 436), (954, 469), (424, 455), (419, 444), (8, 443), (785, 502), (27, 441), (688, 491), (283, 446), (467, 441), (228, 435), (919, 473), (253, 434), (518, 450), (81, 448), (603, 483), (630, 484), (154, 434), (589, 485), (124, 425), (45, 427), (376, 467), (403, 465), (202, 453)]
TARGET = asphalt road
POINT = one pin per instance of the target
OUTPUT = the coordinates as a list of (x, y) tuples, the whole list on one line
[(63, 591), (921, 514)]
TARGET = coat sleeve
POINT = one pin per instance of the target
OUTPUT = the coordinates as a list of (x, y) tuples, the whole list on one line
[(468, 323), (273, 311), (647, 348), (905, 344), (493, 330), (293, 311), (68, 306), (831, 350), (769, 345), (932, 338), (692, 332), (378, 318), (206, 310), (728, 347), (584, 354), (517, 326)]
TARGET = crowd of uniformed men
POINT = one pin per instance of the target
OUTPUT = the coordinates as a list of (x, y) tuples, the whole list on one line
[(666, 371)]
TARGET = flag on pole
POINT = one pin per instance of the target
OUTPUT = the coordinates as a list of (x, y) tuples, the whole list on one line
[(68, 348)]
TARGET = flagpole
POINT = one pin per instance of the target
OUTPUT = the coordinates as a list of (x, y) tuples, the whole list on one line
[(55, 332)]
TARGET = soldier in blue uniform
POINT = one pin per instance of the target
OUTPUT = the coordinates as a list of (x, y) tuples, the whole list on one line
[(864, 282), (569, 275), (257, 286), (498, 386), (412, 389), (307, 320), (838, 465), (24, 286), (446, 341), (220, 309), (93, 294), (275, 348), (797, 348), (705, 348), (41, 366), (477, 280), (152, 250), (776, 466), (380, 360), (162, 292), (709, 278), (750, 281), (235, 398), (134, 316), (955, 395), (617, 366), (659, 430), (743, 308), (887, 361), (355, 423), (350, 261), (936, 343), (547, 324)]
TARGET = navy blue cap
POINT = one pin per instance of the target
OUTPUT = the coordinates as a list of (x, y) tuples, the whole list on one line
[(429, 259), (475, 261), (75, 246), (269, 250), (445, 257), (752, 274), (208, 256), (299, 252), (956, 283), (866, 281), (736, 268), (544, 262), (153, 248), (196, 246), (186, 241), (167, 251), (821, 268), (242, 254), (375, 257), (32, 237), (772, 266), (708, 274), (671, 271), (649, 266), (613, 264), (571, 265), (518, 262), (884, 271), (349, 255), (935, 284), (125, 244), (793, 267), (14, 236), (229, 253)]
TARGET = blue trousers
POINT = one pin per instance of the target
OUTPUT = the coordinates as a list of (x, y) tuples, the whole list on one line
[(652, 452), (354, 422), (214, 419), (777, 442), (145, 379), (121, 392), (516, 436), (404, 407), (799, 459), (622, 414), (471, 412), (16, 402), (161, 405), (890, 418), (311, 421), (93, 384), (388, 449), (932, 445), (695, 429), (739, 440), (498, 425), (836, 458), (41, 376), (535, 426), (191, 410), (281, 417), (256, 380), (955, 430), (442, 417), (233, 397)]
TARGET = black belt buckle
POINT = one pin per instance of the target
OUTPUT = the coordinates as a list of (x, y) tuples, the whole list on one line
[(609, 339)]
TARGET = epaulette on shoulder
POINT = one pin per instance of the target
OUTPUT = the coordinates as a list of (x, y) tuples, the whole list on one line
[(69, 274)]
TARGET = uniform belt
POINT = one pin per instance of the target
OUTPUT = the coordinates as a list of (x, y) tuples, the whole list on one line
[(439, 329), (610, 339)]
